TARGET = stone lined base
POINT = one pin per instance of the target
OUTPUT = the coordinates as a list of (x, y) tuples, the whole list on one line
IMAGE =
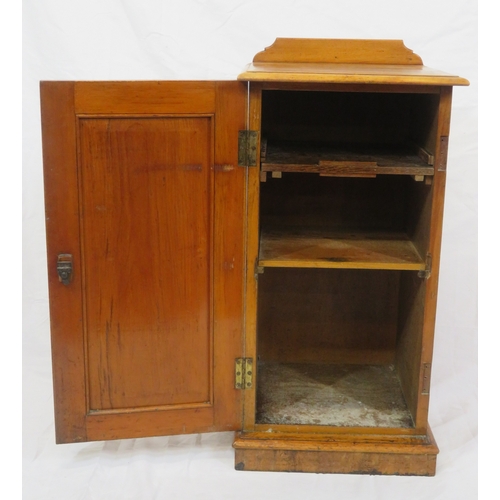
[(337, 395), (400, 455)]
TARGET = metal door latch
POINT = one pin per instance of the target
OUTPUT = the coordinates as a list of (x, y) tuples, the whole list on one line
[(65, 268)]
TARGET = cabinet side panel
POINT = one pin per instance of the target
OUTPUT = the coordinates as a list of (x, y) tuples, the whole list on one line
[(62, 228), (436, 227), (229, 251)]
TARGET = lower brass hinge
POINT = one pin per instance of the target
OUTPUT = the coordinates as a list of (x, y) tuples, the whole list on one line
[(247, 148), (243, 373)]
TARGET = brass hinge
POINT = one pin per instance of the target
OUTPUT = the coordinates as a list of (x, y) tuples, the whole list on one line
[(243, 370), (247, 148), (426, 273)]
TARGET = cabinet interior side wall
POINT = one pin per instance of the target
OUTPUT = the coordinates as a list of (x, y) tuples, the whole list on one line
[(409, 336), (412, 297)]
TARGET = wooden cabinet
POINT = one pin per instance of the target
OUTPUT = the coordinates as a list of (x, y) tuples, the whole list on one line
[(259, 255)]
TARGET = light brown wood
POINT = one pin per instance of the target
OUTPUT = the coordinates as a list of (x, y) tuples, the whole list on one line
[(144, 97), (338, 51), (409, 337), (151, 359), (149, 422), (146, 198), (184, 261), (327, 316), (323, 117), (283, 453), (229, 253), (323, 249), (426, 156), (346, 167), (381, 443), (335, 432), (348, 74), (435, 236), (252, 249), (293, 434), (353, 87), (378, 62), (62, 227)]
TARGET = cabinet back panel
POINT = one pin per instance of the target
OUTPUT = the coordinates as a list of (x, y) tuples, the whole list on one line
[(349, 117), (308, 200), (146, 191), (317, 315)]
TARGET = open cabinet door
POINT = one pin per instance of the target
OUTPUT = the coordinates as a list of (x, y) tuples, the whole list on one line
[(145, 243)]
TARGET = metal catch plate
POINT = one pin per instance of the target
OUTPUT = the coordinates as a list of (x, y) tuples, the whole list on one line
[(426, 382), (443, 154)]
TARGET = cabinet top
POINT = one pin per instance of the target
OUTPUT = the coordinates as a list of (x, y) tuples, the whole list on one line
[(343, 61)]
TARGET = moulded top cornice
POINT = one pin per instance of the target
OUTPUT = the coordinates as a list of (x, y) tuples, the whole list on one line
[(343, 61)]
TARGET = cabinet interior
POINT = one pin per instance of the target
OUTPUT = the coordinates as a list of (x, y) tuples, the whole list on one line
[(390, 132), (339, 312)]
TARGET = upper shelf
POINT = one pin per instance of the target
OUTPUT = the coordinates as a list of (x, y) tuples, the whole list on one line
[(344, 161), (343, 61)]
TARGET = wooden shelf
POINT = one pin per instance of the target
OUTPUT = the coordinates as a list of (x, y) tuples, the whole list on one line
[(345, 160), (348, 250)]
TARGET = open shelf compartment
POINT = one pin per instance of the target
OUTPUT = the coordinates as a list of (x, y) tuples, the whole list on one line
[(340, 257), (351, 134), (338, 348), (329, 222)]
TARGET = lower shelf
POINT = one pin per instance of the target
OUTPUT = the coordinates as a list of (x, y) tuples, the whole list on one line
[(330, 394), (323, 249), (415, 456)]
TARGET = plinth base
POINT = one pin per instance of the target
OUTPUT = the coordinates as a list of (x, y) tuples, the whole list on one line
[(342, 454)]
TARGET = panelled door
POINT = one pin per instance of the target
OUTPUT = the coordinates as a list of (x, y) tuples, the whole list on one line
[(145, 224)]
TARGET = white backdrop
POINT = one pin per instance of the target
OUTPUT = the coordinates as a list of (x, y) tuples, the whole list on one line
[(214, 39)]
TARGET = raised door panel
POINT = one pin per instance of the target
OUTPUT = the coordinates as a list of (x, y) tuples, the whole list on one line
[(133, 192), (146, 196)]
